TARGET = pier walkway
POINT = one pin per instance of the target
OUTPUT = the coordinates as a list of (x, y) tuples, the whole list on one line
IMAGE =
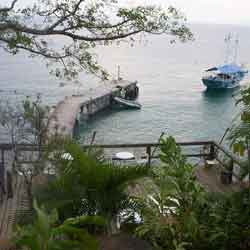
[(63, 118)]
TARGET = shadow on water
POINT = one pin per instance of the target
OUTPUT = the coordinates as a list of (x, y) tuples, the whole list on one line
[(107, 118), (220, 95), (105, 114)]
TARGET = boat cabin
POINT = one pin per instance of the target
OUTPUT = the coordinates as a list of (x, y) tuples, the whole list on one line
[(224, 76)]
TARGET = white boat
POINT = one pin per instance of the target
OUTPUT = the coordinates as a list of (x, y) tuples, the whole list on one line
[(127, 103)]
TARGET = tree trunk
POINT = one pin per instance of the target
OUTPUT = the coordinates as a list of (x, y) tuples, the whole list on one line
[(9, 185), (29, 195), (112, 226), (248, 154)]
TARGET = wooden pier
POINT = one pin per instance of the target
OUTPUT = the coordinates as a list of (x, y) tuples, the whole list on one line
[(78, 107)]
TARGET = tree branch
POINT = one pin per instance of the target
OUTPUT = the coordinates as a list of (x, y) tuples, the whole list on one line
[(7, 9), (97, 27), (37, 52), (63, 18), (46, 32), (95, 39), (83, 24)]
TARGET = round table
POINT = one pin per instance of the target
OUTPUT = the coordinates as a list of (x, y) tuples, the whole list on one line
[(124, 156)]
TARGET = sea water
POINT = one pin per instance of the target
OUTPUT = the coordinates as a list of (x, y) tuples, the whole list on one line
[(172, 95)]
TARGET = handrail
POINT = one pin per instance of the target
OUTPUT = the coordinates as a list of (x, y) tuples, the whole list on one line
[(220, 147), (223, 164), (28, 147), (8, 146), (147, 146), (144, 145)]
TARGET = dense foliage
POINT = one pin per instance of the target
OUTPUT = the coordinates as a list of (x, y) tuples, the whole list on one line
[(86, 186), (171, 213), (175, 211), (179, 214), (240, 131), (46, 233)]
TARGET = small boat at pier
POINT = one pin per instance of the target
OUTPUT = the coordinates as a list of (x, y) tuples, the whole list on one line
[(127, 103)]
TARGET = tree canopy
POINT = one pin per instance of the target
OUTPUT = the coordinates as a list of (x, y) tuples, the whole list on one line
[(64, 32)]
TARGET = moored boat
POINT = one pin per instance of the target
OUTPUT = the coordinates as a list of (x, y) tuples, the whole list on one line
[(230, 74), (224, 77), (127, 103)]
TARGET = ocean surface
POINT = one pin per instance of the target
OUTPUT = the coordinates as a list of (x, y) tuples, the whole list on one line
[(172, 95)]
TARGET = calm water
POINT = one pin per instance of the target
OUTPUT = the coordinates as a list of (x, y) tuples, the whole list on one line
[(171, 93)]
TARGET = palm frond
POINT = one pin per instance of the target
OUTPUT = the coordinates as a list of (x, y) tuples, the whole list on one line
[(88, 186)]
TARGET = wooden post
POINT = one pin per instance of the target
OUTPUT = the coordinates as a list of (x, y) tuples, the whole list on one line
[(2, 177), (231, 169), (148, 151), (231, 165), (93, 138), (248, 154), (9, 185), (2, 173), (212, 152)]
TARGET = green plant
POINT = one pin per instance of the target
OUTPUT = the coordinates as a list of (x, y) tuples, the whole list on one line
[(178, 214), (227, 221), (47, 234), (240, 128), (173, 207), (87, 186), (240, 131)]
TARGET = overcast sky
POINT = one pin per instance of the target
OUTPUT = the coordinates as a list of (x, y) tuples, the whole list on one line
[(209, 11), (202, 11)]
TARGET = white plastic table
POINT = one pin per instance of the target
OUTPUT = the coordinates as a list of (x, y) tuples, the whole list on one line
[(125, 156)]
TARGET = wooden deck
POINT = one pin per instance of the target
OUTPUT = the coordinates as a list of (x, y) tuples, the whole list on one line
[(62, 119), (11, 208), (209, 177)]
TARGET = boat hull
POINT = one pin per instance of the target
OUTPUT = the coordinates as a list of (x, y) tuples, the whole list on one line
[(217, 84), (127, 103), (227, 76)]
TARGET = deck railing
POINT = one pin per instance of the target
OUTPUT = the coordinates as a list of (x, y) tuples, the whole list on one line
[(149, 151), (207, 150), (233, 160)]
